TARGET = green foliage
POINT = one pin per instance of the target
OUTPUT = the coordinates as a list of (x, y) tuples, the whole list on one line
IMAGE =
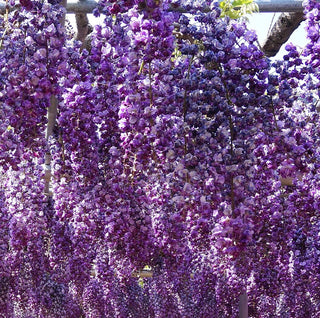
[(238, 8)]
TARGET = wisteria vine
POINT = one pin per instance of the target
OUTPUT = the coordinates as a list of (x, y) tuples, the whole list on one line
[(179, 151)]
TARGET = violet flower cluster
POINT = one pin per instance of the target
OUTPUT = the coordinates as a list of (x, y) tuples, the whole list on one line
[(179, 151)]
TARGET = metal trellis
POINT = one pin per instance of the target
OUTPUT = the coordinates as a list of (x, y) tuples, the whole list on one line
[(86, 6)]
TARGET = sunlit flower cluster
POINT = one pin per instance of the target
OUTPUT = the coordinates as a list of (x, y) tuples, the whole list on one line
[(179, 151)]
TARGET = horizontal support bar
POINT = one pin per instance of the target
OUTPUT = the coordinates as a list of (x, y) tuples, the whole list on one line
[(82, 6), (279, 5), (149, 273), (86, 6)]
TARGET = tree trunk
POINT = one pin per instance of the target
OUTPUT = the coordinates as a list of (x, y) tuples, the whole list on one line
[(281, 31)]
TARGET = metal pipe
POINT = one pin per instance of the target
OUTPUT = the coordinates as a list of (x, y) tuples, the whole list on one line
[(279, 5), (243, 306), (82, 6), (86, 6)]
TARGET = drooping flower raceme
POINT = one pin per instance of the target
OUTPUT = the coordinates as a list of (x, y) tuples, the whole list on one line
[(178, 149)]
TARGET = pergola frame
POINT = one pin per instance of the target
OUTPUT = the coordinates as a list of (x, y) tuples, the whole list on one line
[(86, 6)]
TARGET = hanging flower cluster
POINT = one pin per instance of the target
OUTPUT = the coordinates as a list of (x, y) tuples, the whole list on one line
[(179, 150)]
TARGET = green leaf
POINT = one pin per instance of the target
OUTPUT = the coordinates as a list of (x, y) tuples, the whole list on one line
[(237, 8), (236, 3)]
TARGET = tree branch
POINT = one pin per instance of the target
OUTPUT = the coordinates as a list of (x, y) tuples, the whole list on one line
[(281, 32), (83, 26)]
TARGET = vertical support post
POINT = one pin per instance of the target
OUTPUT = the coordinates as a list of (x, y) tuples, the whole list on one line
[(243, 305), (52, 117)]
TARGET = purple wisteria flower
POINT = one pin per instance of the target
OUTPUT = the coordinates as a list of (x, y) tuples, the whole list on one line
[(181, 171)]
